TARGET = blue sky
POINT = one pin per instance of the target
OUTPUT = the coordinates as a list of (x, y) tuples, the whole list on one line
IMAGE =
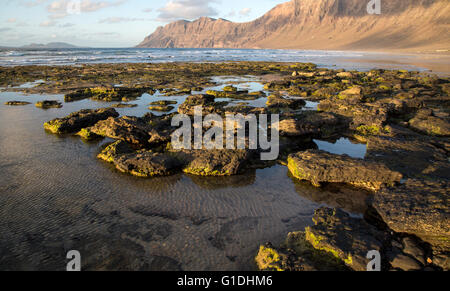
[(110, 23)]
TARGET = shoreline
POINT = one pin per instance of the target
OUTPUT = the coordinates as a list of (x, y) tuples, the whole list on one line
[(357, 59), (435, 63)]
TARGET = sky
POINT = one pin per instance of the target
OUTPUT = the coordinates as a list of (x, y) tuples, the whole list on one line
[(110, 23)]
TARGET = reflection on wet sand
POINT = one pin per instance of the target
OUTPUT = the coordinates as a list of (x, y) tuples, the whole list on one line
[(348, 198), (213, 183)]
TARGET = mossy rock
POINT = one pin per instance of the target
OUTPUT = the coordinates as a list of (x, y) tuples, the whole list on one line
[(164, 102), (431, 125), (123, 105), (146, 164), (184, 91), (268, 259), (161, 108), (346, 238), (47, 104), (17, 103), (297, 254), (88, 135), (78, 120), (230, 89), (114, 150), (216, 162), (369, 130)]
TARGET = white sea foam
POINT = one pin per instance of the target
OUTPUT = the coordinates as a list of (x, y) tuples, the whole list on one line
[(328, 59)]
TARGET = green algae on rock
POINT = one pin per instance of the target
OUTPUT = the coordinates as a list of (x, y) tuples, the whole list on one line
[(164, 102), (268, 259), (147, 164), (322, 167), (162, 105), (114, 150), (161, 108), (296, 254), (106, 94), (426, 122), (124, 105), (348, 239), (47, 104), (88, 135), (133, 130), (79, 120), (215, 162), (17, 103), (139, 132), (204, 100)]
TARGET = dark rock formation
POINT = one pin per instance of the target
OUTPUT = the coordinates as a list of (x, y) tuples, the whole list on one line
[(16, 103), (47, 104), (418, 207), (79, 120), (349, 239), (319, 167), (147, 164)]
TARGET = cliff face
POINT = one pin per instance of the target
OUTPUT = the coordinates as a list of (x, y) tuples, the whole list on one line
[(319, 24)]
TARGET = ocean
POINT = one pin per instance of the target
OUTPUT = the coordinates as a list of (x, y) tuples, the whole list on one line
[(327, 59)]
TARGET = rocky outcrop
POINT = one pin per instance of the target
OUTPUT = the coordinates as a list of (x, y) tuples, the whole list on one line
[(228, 92), (214, 162), (79, 120), (349, 239), (204, 100), (318, 124), (322, 167), (107, 94), (114, 151), (296, 254), (277, 101), (17, 103), (318, 24), (124, 105), (129, 129), (47, 104), (412, 155), (418, 207), (147, 164), (426, 122), (338, 241)]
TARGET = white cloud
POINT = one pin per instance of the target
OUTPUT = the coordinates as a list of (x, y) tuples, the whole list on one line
[(245, 11), (112, 20), (186, 9), (62, 8)]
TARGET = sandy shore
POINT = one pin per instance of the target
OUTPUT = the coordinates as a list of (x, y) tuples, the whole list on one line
[(438, 63)]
